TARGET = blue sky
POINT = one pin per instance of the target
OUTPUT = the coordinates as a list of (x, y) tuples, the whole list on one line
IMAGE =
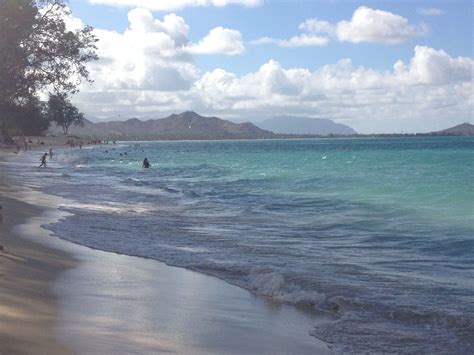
[(224, 52)]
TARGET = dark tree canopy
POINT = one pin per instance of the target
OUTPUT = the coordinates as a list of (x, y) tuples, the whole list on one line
[(63, 113), (38, 53)]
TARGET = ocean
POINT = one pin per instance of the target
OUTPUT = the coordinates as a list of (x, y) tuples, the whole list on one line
[(378, 233)]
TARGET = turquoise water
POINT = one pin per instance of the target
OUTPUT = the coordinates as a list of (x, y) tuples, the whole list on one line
[(379, 233)]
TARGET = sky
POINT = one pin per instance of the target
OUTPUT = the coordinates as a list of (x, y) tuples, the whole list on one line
[(377, 66)]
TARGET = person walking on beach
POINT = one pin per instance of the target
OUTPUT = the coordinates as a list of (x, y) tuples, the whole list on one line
[(43, 160), (146, 164)]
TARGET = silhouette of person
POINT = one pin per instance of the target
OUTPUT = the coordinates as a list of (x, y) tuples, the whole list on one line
[(146, 163), (50, 153), (43, 160)]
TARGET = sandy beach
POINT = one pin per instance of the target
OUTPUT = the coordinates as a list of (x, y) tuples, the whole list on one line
[(60, 298), (28, 270)]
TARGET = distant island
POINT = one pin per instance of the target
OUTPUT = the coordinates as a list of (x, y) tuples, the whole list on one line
[(304, 125), (464, 129), (190, 125)]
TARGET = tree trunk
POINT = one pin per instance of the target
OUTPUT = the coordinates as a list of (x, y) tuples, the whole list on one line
[(65, 129)]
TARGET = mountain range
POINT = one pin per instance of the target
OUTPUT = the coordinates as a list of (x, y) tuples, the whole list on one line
[(184, 126), (190, 125)]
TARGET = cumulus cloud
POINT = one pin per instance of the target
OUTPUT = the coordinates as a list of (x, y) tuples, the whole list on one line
[(142, 21), (366, 25), (369, 25), (147, 55), (434, 67), (173, 5), (219, 41), (430, 11), (428, 67), (155, 54)]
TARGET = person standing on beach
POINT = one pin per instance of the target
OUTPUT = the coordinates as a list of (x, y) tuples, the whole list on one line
[(43, 160)]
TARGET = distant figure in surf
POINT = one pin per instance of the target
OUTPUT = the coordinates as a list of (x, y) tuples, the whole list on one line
[(50, 153), (43, 160), (146, 164)]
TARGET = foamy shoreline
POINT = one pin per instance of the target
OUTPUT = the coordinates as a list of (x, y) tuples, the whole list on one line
[(112, 303)]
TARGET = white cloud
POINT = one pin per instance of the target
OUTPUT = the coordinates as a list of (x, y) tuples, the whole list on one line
[(142, 21), (156, 55), (316, 26), (369, 25), (434, 67), (147, 55), (303, 40), (219, 41), (173, 5), (430, 11), (366, 25)]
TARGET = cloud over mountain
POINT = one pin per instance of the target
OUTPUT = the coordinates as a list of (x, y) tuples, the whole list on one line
[(148, 69)]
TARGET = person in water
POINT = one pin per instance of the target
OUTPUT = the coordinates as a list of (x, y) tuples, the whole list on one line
[(50, 153), (146, 163), (43, 160)]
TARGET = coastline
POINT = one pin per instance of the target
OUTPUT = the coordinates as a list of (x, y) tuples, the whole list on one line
[(95, 301)]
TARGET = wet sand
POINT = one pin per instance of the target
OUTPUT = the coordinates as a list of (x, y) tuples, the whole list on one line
[(28, 270)]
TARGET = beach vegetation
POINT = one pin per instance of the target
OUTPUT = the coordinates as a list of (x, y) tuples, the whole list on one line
[(40, 53), (62, 112)]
